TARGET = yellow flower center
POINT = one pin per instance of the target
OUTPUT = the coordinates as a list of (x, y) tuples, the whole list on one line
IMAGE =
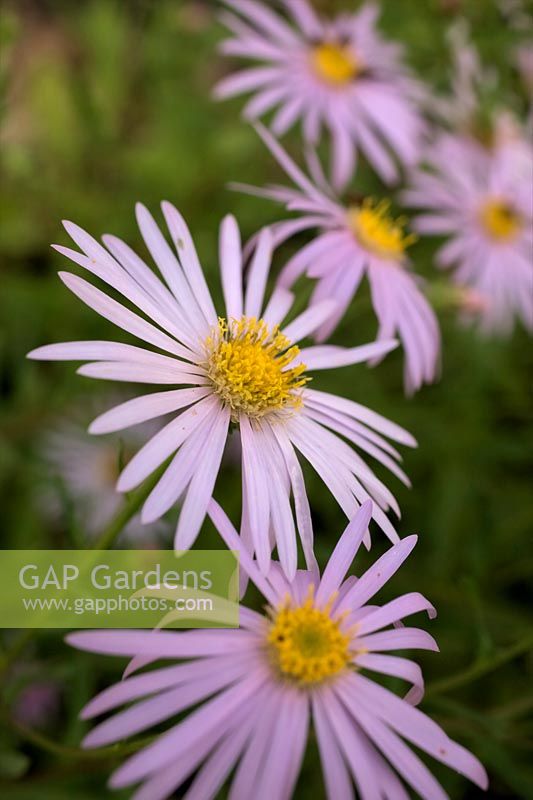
[(377, 230), (500, 220), (335, 63), (248, 365), (307, 644)]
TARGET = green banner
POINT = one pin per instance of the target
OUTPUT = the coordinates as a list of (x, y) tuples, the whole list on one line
[(119, 589)]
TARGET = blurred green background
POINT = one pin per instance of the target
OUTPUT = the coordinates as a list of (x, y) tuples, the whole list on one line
[(107, 102)]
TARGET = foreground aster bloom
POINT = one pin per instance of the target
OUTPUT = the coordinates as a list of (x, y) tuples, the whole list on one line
[(481, 199), (241, 369), (339, 74), (260, 686), (356, 240)]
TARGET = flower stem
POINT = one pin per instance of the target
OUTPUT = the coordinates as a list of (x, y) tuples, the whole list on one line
[(43, 742), (133, 503)]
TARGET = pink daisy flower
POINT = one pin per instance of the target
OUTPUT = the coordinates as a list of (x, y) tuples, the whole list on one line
[(256, 690), (481, 200), (337, 74), (355, 240), (85, 471), (241, 368)]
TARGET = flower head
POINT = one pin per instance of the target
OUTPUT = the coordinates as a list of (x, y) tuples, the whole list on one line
[(85, 471), (249, 365), (256, 689), (337, 74), (243, 367), (480, 199), (354, 240)]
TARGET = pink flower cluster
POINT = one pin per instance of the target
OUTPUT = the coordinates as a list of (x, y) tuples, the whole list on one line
[(252, 694)]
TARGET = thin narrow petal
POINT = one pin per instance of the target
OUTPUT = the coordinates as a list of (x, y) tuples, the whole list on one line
[(344, 553), (230, 255)]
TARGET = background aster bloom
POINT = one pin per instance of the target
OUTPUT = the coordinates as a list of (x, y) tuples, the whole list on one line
[(481, 199), (259, 687), (353, 241), (242, 369), (84, 473), (338, 74)]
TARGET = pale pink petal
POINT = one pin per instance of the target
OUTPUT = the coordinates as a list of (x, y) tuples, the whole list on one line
[(231, 538), (330, 356), (378, 574), (163, 644), (170, 268), (164, 705), (400, 639), (344, 554), (398, 667), (258, 274), (308, 321), (141, 409), (230, 255), (258, 502), (121, 316), (164, 443), (251, 766), (179, 473), (271, 23), (202, 484), (189, 260), (141, 373), (394, 611), (351, 741), (245, 80), (336, 775), (188, 733), (365, 415), (278, 306), (217, 768), (149, 683), (285, 751)]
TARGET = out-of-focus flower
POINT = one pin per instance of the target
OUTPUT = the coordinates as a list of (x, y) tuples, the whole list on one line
[(471, 304), (241, 369), (260, 686), (37, 704), (353, 241), (481, 199), (337, 74), (524, 64), (469, 81), (85, 472)]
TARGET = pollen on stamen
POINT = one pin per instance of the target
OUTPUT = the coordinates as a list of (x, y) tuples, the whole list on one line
[(376, 229), (248, 364), (307, 644)]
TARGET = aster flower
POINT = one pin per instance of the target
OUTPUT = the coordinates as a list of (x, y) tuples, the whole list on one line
[(480, 199), (241, 369), (355, 240), (337, 74), (256, 690), (86, 472)]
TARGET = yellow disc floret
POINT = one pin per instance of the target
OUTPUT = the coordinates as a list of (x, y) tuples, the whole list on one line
[(335, 63), (375, 229), (307, 645), (249, 366), (500, 220)]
